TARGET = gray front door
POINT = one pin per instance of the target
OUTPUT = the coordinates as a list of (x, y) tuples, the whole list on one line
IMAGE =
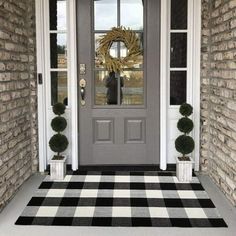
[(119, 126)]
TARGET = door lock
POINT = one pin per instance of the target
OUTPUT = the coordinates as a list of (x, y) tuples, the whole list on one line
[(82, 83)]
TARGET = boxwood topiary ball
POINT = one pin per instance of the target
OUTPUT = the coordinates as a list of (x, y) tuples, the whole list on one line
[(184, 144), (185, 125), (186, 109), (59, 108), (58, 143), (59, 124)]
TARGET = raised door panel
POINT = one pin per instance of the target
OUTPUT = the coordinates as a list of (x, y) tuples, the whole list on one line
[(135, 130), (103, 130)]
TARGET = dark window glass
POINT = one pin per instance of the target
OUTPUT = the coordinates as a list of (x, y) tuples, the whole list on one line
[(57, 10), (178, 50), (177, 87), (59, 87), (58, 50), (179, 10)]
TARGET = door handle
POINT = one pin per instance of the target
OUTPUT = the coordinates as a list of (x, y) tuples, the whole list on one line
[(82, 91)]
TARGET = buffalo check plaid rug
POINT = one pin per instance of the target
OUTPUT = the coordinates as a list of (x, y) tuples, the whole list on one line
[(121, 198)]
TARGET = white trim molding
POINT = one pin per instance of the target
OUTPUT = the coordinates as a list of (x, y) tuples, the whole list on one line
[(196, 44), (169, 114), (163, 83), (72, 74), (42, 140), (44, 91)]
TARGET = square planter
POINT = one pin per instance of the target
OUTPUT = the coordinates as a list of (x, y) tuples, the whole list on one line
[(184, 170), (58, 169)]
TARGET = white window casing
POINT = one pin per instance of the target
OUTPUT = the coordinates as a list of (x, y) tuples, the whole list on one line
[(170, 113)]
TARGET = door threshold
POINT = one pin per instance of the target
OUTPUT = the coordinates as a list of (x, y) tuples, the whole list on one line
[(170, 167)]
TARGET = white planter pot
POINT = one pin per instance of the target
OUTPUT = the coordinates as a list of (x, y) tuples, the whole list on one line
[(184, 170), (58, 169)]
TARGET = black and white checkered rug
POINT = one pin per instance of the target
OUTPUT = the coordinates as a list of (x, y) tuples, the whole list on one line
[(144, 199)]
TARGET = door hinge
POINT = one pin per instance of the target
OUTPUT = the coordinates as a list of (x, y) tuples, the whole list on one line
[(40, 78)]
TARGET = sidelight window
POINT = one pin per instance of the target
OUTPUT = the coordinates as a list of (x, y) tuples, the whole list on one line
[(178, 51), (58, 51)]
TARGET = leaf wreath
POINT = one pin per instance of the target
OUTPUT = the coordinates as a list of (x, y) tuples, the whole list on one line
[(132, 43)]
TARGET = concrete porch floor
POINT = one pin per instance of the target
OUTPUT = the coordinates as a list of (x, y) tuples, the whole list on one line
[(9, 215)]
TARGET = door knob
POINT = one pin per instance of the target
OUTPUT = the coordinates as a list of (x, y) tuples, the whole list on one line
[(82, 84)]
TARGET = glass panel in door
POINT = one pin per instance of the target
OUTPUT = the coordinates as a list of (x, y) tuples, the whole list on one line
[(126, 88)]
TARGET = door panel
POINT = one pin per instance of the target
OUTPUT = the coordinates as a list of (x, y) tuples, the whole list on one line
[(103, 130), (119, 126), (135, 130)]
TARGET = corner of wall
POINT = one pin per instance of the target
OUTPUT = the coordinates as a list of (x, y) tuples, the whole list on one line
[(218, 100)]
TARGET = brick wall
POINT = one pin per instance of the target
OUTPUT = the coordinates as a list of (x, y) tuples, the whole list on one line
[(18, 99), (218, 94)]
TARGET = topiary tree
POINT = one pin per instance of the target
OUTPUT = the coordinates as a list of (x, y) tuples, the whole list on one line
[(184, 143), (58, 142)]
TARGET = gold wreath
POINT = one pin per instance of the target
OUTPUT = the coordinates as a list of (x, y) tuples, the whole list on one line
[(132, 43)]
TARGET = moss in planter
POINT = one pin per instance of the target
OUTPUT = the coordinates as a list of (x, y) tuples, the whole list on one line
[(184, 158), (58, 158)]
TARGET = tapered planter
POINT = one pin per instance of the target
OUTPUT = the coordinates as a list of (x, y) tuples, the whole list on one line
[(184, 170), (58, 168)]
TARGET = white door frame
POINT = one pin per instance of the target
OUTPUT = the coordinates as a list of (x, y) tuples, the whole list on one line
[(72, 74), (42, 23), (42, 144), (193, 68), (72, 54)]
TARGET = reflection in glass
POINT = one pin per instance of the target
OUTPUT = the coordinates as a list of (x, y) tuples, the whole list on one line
[(59, 87), (105, 14), (123, 50), (133, 89), (100, 87), (98, 63), (177, 87), (178, 56), (57, 14), (132, 14), (126, 88), (112, 83), (58, 50), (114, 49), (179, 10)]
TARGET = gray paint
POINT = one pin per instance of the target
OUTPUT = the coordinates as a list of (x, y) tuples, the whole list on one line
[(117, 135)]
